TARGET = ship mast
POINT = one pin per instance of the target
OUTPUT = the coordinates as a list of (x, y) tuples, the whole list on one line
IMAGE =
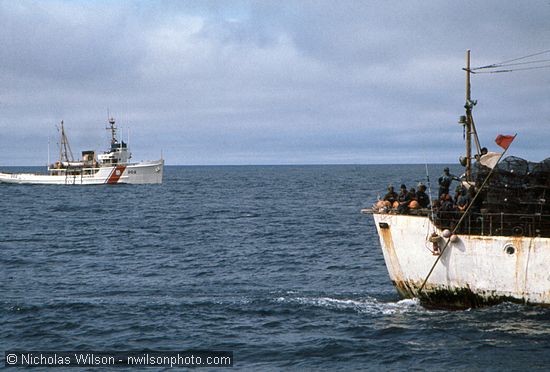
[(468, 108), (113, 130), (468, 122), (65, 148)]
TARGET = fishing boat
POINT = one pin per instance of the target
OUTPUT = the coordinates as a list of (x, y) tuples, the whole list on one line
[(496, 250), (110, 167)]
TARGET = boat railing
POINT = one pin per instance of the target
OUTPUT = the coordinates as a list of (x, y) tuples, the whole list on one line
[(485, 223), (495, 224)]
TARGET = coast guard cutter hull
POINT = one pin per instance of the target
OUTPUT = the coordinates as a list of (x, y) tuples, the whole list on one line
[(139, 173)]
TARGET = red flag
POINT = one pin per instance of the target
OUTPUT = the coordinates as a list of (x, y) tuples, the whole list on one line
[(504, 140)]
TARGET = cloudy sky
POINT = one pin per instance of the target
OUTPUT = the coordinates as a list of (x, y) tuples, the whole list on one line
[(270, 82)]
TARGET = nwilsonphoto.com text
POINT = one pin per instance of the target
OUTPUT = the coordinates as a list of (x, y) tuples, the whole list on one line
[(199, 358)]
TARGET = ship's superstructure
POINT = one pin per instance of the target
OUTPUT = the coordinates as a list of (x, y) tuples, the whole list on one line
[(110, 167)]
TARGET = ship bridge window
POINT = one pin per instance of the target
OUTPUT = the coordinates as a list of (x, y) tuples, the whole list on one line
[(118, 145)]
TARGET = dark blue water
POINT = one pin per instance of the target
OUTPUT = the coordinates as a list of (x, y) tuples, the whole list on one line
[(273, 263)]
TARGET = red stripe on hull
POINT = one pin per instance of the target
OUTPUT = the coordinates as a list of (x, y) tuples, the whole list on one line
[(116, 174)]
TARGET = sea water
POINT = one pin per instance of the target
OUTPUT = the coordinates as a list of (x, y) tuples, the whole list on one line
[(273, 263)]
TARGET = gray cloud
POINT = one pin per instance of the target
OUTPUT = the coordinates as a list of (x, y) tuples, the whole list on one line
[(215, 82)]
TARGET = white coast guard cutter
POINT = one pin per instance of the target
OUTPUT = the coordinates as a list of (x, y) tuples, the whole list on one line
[(110, 167)]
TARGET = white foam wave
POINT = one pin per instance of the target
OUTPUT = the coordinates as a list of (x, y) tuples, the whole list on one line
[(367, 305)]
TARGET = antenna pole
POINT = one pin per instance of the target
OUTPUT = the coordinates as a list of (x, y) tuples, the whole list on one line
[(61, 144), (468, 88)]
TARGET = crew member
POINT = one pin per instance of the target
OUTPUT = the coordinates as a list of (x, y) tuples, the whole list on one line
[(421, 197), (445, 181), (404, 198), (463, 200), (391, 196)]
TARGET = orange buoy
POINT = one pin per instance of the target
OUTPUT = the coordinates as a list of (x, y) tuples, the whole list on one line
[(414, 204)]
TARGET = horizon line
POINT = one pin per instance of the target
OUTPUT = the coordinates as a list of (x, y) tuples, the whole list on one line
[(265, 164)]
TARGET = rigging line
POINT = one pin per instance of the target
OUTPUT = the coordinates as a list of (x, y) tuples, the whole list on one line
[(514, 59), (512, 70), (466, 212), (511, 64)]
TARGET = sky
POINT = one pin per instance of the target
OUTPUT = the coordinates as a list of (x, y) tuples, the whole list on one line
[(270, 82)]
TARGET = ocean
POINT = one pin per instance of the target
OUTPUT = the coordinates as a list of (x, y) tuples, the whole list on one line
[(273, 263)]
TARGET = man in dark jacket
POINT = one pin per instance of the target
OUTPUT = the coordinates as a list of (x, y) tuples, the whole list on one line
[(391, 196), (404, 198), (421, 197), (445, 181)]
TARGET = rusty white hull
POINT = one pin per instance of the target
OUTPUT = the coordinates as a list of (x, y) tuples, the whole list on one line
[(149, 172), (474, 270)]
